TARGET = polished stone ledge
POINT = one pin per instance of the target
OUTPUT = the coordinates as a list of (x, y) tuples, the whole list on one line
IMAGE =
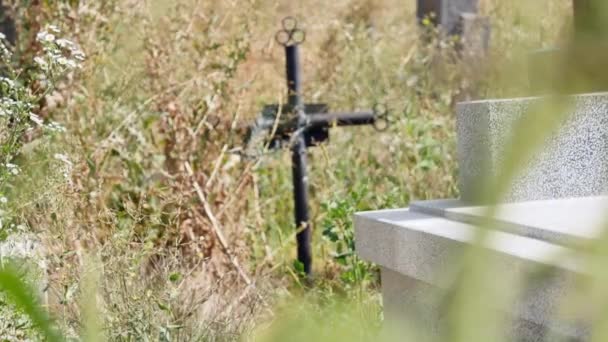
[(419, 249), (572, 163)]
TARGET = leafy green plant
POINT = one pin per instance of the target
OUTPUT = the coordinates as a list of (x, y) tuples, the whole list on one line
[(24, 133), (338, 230), (23, 297), (23, 86)]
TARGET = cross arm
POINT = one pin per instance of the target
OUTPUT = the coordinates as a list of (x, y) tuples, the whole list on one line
[(341, 119)]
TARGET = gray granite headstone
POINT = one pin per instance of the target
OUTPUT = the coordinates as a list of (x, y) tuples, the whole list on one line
[(533, 245), (459, 18), (572, 163), (7, 23)]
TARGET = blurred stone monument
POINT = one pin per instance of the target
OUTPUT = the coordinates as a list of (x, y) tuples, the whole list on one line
[(457, 18), (585, 53), (7, 23), (446, 13)]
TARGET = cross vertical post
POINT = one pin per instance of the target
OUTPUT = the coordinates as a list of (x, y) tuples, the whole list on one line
[(298, 158)]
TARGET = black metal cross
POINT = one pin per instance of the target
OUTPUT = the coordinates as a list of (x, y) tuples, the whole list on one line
[(306, 125)]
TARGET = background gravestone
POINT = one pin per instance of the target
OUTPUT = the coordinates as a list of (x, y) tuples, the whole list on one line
[(7, 23), (590, 18), (589, 51), (458, 18), (582, 63), (446, 13)]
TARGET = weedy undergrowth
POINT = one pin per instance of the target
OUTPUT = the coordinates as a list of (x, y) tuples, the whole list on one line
[(25, 141), (148, 176)]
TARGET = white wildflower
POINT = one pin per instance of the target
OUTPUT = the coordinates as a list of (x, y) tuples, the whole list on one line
[(38, 120), (68, 63), (12, 168), (64, 43), (54, 28), (71, 64), (62, 61), (45, 37), (67, 169), (2, 36), (80, 56), (64, 158), (8, 81), (55, 127), (5, 53), (3, 200), (41, 62)]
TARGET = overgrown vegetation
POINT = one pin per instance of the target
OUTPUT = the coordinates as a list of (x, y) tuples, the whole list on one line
[(146, 188)]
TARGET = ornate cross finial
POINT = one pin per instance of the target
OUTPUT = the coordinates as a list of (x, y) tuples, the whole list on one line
[(290, 34)]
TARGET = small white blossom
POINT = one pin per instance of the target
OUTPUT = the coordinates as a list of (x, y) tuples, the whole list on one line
[(80, 56), (71, 64), (54, 28), (62, 61), (3, 200), (68, 63), (5, 53), (41, 62), (2, 36), (45, 37), (64, 158), (12, 168), (38, 120), (8, 81), (64, 43), (67, 169), (55, 127)]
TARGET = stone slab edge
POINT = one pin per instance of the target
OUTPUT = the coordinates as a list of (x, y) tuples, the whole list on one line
[(442, 208), (425, 248)]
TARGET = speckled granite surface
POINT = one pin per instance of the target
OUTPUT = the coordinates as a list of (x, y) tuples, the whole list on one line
[(420, 251), (572, 163)]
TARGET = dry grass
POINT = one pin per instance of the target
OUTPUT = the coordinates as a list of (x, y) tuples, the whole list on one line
[(170, 83)]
